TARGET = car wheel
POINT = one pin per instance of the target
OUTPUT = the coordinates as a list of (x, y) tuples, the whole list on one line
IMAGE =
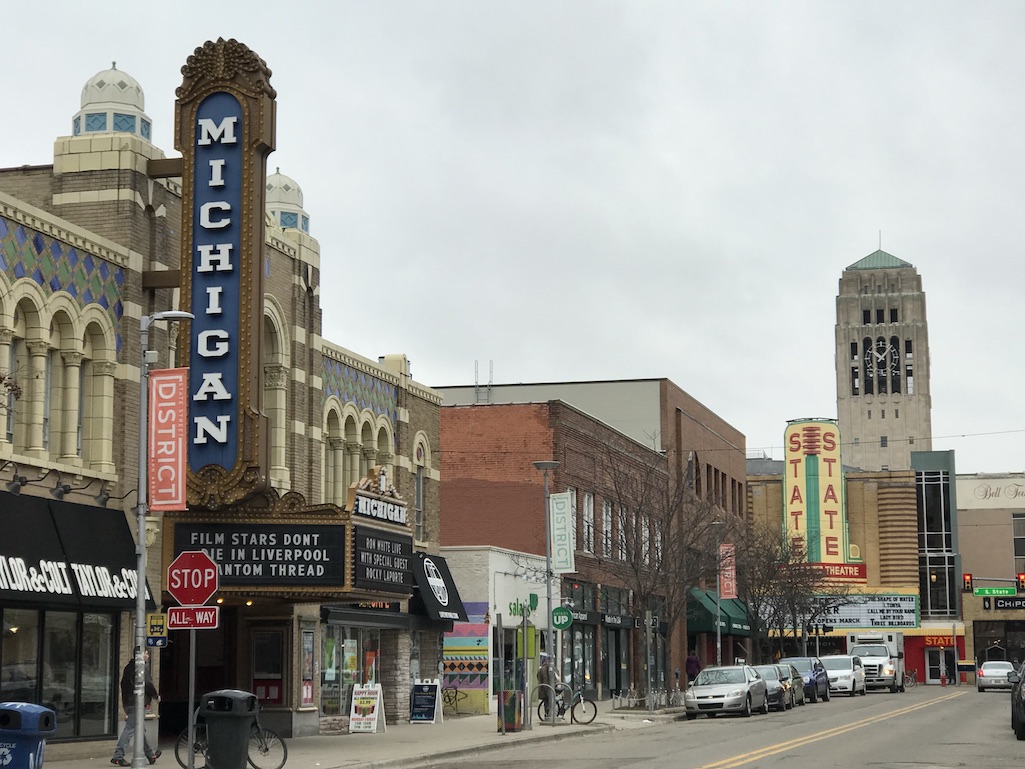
[(691, 716), (1019, 731), (747, 707), (864, 690), (980, 688), (853, 691), (825, 695), (765, 705), (814, 695)]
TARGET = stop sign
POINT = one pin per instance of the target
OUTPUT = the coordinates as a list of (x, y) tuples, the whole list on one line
[(192, 578)]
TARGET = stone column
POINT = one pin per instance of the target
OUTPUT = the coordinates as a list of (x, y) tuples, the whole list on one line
[(6, 337), (352, 457), (98, 425), (275, 385), (69, 427), (36, 392), (337, 492)]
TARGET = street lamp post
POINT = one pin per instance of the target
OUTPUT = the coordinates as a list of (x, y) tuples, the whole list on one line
[(718, 600), (545, 466), (139, 759)]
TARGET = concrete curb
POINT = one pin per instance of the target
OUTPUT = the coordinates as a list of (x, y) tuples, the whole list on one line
[(520, 738)]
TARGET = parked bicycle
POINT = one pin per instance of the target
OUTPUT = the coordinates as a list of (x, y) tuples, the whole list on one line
[(581, 710), (266, 749), (910, 678)]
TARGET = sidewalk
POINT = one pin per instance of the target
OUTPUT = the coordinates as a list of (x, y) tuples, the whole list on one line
[(409, 745)]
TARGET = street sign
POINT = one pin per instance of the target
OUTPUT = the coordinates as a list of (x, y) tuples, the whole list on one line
[(193, 617), (995, 591), (192, 578), (562, 618), (156, 630)]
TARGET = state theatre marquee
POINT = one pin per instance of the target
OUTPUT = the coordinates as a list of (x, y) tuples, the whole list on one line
[(871, 611)]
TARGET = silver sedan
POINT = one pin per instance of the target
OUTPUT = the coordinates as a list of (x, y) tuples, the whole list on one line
[(993, 675), (732, 689)]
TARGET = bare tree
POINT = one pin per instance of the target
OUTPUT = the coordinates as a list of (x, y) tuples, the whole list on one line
[(783, 592), (664, 540)]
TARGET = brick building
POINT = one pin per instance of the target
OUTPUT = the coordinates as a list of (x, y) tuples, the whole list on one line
[(492, 435)]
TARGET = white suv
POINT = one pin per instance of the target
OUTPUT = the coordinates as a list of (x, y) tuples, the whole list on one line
[(846, 674)]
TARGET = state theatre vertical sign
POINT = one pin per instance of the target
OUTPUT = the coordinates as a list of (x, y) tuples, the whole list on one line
[(815, 499), (224, 128)]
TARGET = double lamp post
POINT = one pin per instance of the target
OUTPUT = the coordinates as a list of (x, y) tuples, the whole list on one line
[(139, 759)]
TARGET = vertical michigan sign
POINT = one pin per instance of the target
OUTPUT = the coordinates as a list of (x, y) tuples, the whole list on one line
[(224, 128)]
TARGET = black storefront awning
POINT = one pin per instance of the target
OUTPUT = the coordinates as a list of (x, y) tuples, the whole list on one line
[(60, 553), (436, 591)]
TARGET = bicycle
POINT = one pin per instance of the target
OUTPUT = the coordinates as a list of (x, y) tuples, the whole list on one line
[(910, 678), (266, 749), (581, 710)]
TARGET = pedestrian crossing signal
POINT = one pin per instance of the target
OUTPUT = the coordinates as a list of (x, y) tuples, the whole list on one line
[(966, 583)]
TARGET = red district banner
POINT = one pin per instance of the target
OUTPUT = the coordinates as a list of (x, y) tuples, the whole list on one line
[(727, 572), (168, 429)]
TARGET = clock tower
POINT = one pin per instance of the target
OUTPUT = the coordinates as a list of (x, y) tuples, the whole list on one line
[(883, 399)]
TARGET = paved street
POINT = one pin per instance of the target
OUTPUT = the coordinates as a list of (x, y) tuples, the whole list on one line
[(926, 728)]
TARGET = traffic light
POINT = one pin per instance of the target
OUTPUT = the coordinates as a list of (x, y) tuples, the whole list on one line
[(966, 583), (1021, 582)]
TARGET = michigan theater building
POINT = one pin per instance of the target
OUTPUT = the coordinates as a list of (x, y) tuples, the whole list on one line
[(308, 473)]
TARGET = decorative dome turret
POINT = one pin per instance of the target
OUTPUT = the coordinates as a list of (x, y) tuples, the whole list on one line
[(112, 102), (285, 202)]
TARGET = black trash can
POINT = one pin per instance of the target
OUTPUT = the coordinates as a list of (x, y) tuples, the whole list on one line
[(229, 716), (24, 728)]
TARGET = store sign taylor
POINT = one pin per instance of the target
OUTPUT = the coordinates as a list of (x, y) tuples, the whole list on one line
[(50, 577), (278, 554)]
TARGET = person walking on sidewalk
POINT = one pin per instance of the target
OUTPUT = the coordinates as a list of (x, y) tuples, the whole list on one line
[(546, 683), (128, 701), (693, 666)]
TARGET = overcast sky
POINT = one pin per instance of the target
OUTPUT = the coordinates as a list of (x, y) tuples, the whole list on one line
[(569, 191)]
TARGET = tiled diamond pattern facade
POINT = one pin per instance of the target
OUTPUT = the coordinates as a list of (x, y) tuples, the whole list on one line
[(351, 385), (57, 266)]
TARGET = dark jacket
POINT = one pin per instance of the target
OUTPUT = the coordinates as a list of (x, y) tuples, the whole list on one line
[(128, 686)]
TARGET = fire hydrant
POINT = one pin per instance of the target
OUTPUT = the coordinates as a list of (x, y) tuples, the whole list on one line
[(943, 680)]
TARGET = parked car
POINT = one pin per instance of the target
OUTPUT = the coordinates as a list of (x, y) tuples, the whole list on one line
[(795, 683), (816, 680), (727, 689), (1018, 702), (777, 686), (994, 675), (846, 674)]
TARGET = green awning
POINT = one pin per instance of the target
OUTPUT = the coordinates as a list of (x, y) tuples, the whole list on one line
[(701, 614), (736, 611)]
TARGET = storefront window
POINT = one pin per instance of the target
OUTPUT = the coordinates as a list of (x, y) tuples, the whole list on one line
[(351, 656), (60, 653), (98, 708), (19, 655), (65, 661), (578, 666)]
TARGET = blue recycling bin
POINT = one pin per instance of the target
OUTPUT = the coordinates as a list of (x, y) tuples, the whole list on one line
[(229, 715), (24, 728)]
